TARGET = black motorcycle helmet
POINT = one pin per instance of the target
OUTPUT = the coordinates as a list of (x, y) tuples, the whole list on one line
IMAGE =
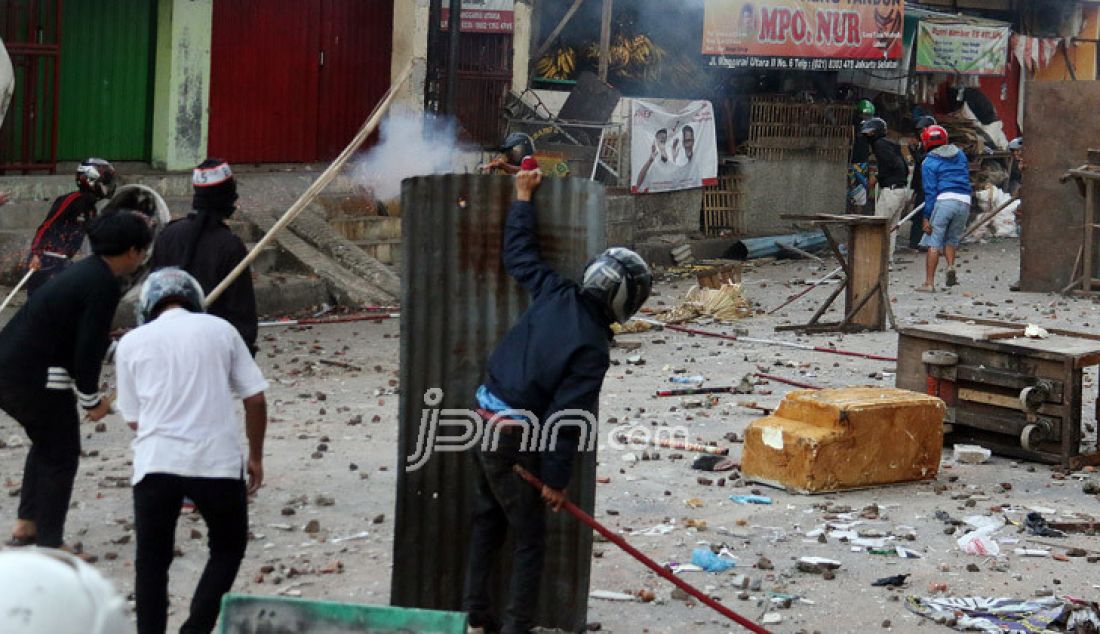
[(873, 127), (923, 122), (516, 146)]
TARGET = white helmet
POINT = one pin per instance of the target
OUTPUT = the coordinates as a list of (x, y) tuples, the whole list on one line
[(46, 591)]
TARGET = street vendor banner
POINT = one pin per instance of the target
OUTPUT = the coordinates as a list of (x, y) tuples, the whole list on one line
[(483, 16), (821, 35), (962, 48), (672, 149)]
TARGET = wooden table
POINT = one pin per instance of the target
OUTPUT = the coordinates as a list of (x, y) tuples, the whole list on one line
[(1084, 269), (866, 273), (996, 364)]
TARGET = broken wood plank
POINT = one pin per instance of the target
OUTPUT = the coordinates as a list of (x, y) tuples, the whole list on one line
[(557, 29)]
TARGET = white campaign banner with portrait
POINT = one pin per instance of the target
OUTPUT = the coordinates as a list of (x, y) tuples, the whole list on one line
[(672, 149)]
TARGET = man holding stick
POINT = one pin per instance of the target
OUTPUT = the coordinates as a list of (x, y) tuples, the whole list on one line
[(552, 362), (945, 175)]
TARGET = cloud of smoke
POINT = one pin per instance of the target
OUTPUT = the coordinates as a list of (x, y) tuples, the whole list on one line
[(409, 144)]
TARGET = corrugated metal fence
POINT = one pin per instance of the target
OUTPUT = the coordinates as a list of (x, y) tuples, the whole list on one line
[(457, 303)]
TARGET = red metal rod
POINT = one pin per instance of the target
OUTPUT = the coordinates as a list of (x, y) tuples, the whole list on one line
[(849, 353), (776, 342), (779, 379), (313, 321), (705, 333), (652, 565)]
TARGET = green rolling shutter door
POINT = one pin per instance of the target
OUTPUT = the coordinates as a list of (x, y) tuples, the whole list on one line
[(107, 59)]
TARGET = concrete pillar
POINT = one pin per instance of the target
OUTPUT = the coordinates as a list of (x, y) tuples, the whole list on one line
[(181, 99), (410, 45), (522, 46)]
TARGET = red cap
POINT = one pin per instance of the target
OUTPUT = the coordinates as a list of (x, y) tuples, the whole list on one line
[(528, 163)]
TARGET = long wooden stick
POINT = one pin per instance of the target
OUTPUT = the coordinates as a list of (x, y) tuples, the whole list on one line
[(15, 290), (316, 188), (663, 571)]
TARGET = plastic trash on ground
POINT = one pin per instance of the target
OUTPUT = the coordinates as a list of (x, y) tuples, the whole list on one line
[(980, 540), (751, 499), (710, 562)]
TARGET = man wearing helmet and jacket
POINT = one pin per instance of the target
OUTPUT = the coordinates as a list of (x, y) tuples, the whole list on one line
[(179, 375), (891, 173), (59, 238), (861, 153), (515, 146), (550, 363), (947, 190)]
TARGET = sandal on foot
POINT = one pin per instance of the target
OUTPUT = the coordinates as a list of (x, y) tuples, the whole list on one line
[(925, 289), (19, 542), (952, 278)]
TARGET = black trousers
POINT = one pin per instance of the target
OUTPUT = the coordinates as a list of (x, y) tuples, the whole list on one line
[(503, 501), (223, 504), (53, 425)]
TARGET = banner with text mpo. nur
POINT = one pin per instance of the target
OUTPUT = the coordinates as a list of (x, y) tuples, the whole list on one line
[(804, 34)]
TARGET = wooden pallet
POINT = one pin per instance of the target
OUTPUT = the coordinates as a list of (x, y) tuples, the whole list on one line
[(723, 206)]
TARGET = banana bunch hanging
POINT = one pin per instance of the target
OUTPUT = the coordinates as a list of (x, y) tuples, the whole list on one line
[(560, 63), (634, 57)]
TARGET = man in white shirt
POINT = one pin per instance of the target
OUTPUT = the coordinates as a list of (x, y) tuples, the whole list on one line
[(177, 376)]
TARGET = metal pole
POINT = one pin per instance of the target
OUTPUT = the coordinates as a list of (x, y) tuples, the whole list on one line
[(767, 342), (605, 38), (454, 24), (431, 80)]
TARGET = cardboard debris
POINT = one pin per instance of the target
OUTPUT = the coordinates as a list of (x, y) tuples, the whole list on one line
[(726, 303), (632, 326)]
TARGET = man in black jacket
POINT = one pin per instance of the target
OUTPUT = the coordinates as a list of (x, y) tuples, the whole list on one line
[(55, 342), (551, 364), (891, 174), (204, 246), (916, 150)]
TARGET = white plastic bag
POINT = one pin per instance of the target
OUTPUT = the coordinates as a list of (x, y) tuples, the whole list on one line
[(980, 541)]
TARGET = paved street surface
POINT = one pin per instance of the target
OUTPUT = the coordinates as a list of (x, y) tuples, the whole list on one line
[(332, 460)]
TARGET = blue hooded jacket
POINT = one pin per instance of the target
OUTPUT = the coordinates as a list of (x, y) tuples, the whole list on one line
[(944, 169)]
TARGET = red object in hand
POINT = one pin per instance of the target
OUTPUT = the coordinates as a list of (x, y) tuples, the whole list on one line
[(528, 163)]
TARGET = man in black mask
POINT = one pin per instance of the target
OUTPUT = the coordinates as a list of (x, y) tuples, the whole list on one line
[(203, 245)]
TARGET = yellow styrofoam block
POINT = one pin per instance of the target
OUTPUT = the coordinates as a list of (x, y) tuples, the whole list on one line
[(846, 438)]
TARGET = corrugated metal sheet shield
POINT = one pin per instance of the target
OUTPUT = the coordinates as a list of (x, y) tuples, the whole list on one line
[(457, 302)]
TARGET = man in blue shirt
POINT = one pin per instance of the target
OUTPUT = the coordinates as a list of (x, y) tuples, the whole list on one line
[(945, 175)]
